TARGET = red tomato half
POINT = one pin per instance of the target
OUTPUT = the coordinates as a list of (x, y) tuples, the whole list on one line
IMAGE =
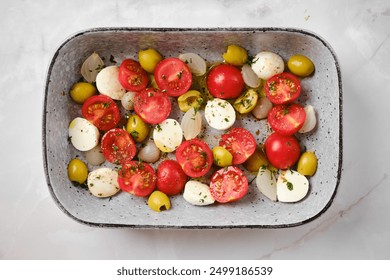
[(173, 76), (287, 119), (282, 88), (117, 146), (228, 184), (170, 177), (152, 105), (132, 76), (137, 178), (102, 111), (282, 151), (225, 81), (240, 143), (195, 157)]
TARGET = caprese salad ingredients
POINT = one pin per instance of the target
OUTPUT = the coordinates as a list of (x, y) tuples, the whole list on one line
[(95, 156), (173, 76), (137, 178), (311, 120), (132, 76), (225, 81), (287, 119), (149, 152), (118, 146), (197, 193), (91, 67), (307, 163), (219, 114), (83, 134), (81, 91), (262, 108), (127, 100), (159, 201), (282, 88), (266, 182), (107, 82), (228, 184), (191, 123), (249, 76), (222, 157), (300, 65), (168, 135), (170, 177), (267, 64), (195, 157), (77, 171), (103, 182), (291, 186), (101, 111)]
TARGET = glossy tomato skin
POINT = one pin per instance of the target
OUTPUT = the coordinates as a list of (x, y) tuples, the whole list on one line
[(282, 151), (195, 157), (102, 111), (132, 76), (117, 146), (240, 143), (287, 119), (228, 184), (173, 76), (171, 178), (137, 178), (152, 105), (282, 88), (225, 81)]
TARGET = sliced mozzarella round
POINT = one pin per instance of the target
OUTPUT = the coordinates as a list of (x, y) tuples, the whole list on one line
[(95, 156), (310, 121), (191, 123), (266, 183), (197, 193), (291, 186), (267, 64), (195, 62), (220, 114), (107, 82), (103, 182), (168, 135), (83, 134)]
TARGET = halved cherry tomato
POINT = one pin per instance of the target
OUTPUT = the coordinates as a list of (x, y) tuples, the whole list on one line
[(117, 146), (173, 76), (240, 143), (282, 88), (195, 157), (228, 184), (225, 81), (132, 76), (171, 178), (137, 178), (282, 151), (287, 119), (102, 111), (152, 105)]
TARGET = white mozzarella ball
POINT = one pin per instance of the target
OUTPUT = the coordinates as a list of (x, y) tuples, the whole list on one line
[(83, 134), (95, 156), (220, 114), (291, 186), (168, 135), (267, 64), (197, 193), (107, 82), (103, 182)]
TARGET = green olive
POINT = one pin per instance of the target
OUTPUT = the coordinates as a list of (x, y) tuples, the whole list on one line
[(81, 91), (191, 99), (300, 65), (137, 128), (77, 171), (159, 201), (307, 163), (256, 160), (222, 157), (235, 55), (149, 59), (246, 102)]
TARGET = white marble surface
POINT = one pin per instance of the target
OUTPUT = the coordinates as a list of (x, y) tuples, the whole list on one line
[(357, 226)]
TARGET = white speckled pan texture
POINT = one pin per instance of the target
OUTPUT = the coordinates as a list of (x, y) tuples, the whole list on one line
[(322, 91)]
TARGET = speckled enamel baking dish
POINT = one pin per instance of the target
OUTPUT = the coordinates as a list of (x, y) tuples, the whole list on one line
[(322, 90)]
